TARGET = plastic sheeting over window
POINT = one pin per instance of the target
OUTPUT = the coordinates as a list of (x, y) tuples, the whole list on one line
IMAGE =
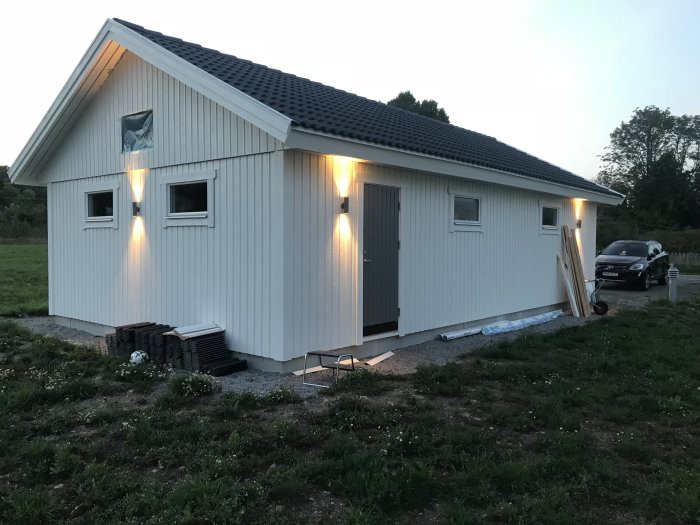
[(137, 132)]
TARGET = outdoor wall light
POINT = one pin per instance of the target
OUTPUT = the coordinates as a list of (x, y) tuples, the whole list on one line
[(136, 208), (578, 224), (345, 205)]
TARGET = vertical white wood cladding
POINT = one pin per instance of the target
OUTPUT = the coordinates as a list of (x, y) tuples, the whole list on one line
[(445, 277), (187, 127), (229, 274), (319, 256)]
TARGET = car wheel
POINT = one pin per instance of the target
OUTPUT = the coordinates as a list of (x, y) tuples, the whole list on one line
[(645, 283)]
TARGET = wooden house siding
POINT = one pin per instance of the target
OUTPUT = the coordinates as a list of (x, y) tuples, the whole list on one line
[(445, 277), (229, 274), (187, 127)]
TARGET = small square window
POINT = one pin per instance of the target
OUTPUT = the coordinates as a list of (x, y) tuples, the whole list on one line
[(100, 205), (188, 197), (137, 132), (550, 217), (466, 209)]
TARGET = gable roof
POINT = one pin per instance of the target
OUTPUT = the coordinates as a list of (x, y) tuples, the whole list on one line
[(300, 112), (315, 106)]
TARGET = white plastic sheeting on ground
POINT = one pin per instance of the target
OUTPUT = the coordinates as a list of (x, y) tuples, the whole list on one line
[(502, 327)]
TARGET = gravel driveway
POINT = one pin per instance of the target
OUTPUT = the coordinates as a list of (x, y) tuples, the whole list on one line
[(405, 360)]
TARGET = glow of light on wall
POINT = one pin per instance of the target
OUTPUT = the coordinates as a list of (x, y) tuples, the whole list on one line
[(578, 215), (137, 180), (137, 229), (342, 174), (342, 227)]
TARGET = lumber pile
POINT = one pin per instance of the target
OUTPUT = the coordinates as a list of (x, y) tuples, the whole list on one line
[(572, 272)]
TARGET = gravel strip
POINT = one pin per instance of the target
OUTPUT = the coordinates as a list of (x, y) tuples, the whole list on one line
[(404, 361)]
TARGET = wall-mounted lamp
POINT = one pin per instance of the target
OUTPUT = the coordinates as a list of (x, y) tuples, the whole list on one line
[(345, 205), (136, 208), (578, 224)]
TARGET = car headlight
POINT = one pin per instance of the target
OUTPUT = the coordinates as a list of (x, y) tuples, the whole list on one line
[(637, 266)]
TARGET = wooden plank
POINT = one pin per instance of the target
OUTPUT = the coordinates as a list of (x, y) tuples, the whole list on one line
[(580, 292), (568, 285), (569, 263), (379, 358), (579, 281)]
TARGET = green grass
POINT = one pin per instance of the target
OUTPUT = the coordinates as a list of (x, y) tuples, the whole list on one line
[(24, 279), (597, 423), (688, 269)]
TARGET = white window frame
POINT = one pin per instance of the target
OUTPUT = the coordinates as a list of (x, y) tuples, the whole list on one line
[(101, 221), (457, 225), (199, 218), (545, 229)]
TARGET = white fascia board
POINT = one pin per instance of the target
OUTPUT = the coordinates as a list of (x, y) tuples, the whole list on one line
[(243, 105), (58, 108), (332, 145)]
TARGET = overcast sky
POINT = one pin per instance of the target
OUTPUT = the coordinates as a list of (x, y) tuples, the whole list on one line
[(550, 77)]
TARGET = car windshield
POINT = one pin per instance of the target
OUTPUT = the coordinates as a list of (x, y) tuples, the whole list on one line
[(633, 249)]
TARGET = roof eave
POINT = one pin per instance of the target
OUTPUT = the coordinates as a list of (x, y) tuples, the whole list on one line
[(31, 157), (309, 140)]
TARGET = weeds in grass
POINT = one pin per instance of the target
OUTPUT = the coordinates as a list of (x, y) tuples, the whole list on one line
[(596, 423), (196, 384)]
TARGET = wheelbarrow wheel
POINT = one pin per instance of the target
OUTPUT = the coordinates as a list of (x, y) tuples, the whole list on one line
[(600, 307)]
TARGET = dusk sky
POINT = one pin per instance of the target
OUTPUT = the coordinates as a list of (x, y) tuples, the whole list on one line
[(552, 78)]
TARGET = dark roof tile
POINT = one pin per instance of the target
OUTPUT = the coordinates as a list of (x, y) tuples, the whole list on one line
[(315, 106)]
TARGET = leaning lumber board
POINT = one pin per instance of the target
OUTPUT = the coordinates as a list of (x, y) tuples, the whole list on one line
[(579, 280), (569, 265), (569, 288)]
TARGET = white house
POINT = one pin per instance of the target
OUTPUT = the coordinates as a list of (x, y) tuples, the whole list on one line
[(187, 186)]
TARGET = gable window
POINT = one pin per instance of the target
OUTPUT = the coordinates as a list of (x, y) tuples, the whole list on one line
[(101, 205), (137, 132), (189, 199), (550, 218)]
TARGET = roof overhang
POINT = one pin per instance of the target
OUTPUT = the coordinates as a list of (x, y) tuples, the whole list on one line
[(299, 138), (99, 60)]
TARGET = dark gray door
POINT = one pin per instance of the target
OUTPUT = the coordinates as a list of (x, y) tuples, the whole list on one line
[(381, 260)]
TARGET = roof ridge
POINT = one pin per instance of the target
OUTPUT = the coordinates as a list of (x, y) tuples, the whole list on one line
[(410, 114), (318, 107)]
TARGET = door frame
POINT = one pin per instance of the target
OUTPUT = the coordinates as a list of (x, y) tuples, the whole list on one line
[(373, 174)]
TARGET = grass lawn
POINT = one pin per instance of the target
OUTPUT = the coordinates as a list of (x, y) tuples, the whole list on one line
[(599, 423), (24, 281)]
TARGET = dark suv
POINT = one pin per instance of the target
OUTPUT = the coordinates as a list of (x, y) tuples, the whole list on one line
[(637, 262)]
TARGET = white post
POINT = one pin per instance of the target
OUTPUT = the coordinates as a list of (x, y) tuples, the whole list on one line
[(673, 274)]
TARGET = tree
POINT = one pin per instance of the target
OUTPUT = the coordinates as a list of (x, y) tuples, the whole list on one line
[(427, 108), (22, 209), (654, 159)]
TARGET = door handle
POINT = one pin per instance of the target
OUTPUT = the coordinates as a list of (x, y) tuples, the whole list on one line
[(366, 261)]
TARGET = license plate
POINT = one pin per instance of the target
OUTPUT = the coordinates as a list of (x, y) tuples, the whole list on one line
[(609, 274)]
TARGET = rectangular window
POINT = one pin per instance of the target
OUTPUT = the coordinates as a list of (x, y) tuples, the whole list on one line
[(466, 210), (189, 199), (137, 132), (550, 217), (100, 205)]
